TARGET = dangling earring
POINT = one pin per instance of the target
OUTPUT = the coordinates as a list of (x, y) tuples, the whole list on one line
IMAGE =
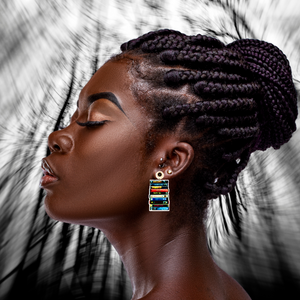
[(159, 199)]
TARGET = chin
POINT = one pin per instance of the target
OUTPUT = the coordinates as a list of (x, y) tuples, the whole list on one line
[(54, 211), (53, 214), (63, 214), (58, 216)]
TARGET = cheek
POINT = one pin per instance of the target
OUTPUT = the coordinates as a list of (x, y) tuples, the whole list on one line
[(105, 178)]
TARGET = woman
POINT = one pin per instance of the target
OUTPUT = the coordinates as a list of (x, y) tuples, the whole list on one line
[(185, 108)]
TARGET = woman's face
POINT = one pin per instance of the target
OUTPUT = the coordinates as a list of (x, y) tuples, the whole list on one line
[(101, 169)]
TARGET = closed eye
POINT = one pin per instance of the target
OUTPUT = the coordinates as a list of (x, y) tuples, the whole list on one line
[(92, 123)]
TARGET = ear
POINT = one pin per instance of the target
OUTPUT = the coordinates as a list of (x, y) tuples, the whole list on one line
[(176, 158)]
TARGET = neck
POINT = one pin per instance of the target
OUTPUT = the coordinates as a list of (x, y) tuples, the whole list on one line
[(156, 253)]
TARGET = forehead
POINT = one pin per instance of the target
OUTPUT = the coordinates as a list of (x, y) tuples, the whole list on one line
[(114, 77), (111, 77)]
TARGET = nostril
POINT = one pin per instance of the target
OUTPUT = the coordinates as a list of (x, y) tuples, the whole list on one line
[(58, 142), (56, 147)]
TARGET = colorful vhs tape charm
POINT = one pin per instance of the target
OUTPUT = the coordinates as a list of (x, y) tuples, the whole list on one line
[(159, 195)]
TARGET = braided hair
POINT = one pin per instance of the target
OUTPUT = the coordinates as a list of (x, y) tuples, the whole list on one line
[(240, 95)]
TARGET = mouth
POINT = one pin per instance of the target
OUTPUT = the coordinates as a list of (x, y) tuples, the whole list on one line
[(49, 175)]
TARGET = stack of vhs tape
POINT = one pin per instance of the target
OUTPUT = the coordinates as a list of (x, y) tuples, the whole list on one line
[(159, 195)]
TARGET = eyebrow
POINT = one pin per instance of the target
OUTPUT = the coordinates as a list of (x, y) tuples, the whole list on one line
[(105, 95)]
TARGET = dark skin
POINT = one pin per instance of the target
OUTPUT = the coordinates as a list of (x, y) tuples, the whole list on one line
[(103, 179)]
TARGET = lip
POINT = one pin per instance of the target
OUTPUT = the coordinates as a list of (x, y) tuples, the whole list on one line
[(49, 176)]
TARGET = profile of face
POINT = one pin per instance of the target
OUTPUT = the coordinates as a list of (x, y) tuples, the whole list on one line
[(101, 169)]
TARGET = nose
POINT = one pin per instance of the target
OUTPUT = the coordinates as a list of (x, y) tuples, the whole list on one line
[(58, 141)]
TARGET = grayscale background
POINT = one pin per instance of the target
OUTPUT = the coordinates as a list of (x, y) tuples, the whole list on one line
[(48, 51)]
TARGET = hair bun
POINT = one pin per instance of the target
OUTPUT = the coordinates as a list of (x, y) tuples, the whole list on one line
[(277, 107)]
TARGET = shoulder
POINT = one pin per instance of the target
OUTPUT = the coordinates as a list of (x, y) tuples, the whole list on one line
[(221, 287), (229, 289), (233, 289)]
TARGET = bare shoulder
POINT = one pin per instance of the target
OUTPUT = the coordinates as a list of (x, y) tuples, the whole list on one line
[(221, 287), (233, 289), (229, 290)]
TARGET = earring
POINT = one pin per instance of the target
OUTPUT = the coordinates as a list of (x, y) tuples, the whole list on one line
[(161, 165), (159, 175), (159, 199), (169, 172)]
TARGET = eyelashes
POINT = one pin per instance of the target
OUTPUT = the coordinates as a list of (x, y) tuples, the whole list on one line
[(92, 123), (86, 124)]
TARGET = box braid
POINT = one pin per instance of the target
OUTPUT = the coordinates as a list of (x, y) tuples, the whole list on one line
[(244, 91)]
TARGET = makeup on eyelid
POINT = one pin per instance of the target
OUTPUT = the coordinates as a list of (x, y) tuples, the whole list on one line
[(104, 95), (92, 123), (92, 110)]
